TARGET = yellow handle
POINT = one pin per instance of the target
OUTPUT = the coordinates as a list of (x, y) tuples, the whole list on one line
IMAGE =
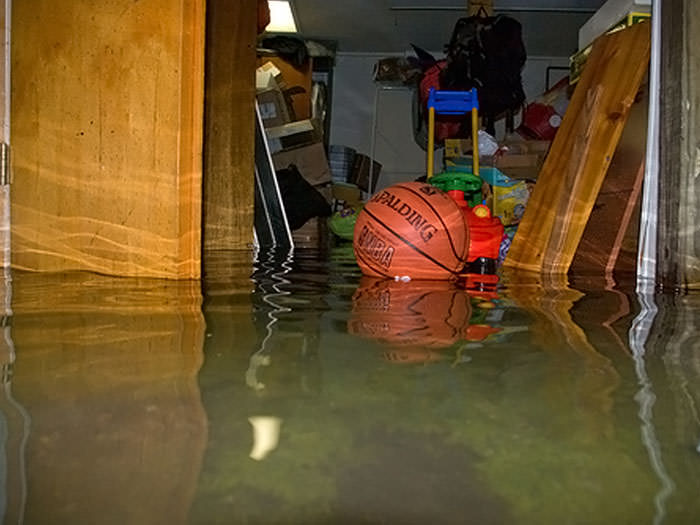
[(475, 141), (431, 140)]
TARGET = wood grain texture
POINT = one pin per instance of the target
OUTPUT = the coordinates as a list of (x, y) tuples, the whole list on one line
[(575, 167), (107, 370), (230, 123), (107, 131), (609, 241), (4, 127), (678, 253)]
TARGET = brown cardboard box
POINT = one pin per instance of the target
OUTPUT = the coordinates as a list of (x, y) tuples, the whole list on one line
[(267, 76), (458, 148), (293, 134), (273, 108), (310, 160), (293, 77), (520, 165), (522, 159)]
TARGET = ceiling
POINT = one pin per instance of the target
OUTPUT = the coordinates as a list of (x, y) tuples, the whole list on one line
[(550, 27)]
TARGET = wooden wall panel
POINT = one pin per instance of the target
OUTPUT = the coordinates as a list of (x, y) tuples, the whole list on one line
[(107, 105), (4, 129), (572, 175), (229, 124), (609, 241), (679, 187)]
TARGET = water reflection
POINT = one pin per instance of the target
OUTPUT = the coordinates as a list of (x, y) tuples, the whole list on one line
[(292, 390), (427, 321), (105, 423)]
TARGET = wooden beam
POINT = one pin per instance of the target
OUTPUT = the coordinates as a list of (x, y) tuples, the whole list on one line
[(107, 104), (229, 124), (4, 130), (609, 242), (573, 172), (679, 183)]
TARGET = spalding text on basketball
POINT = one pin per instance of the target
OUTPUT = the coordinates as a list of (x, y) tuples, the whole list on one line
[(376, 248), (415, 219)]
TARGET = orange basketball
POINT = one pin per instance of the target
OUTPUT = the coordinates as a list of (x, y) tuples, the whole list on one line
[(411, 229), (424, 315)]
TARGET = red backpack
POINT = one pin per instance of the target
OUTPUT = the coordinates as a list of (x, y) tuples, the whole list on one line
[(446, 126)]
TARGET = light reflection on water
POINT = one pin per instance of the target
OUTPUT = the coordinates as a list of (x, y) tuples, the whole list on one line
[(294, 390)]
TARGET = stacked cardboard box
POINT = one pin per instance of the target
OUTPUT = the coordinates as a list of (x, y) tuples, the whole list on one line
[(283, 94), (516, 158)]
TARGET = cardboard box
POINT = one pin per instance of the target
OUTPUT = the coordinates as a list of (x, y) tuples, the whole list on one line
[(310, 160), (513, 144), (297, 80), (458, 148), (292, 135), (517, 144), (267, 76), (273, 108), (515, 166)]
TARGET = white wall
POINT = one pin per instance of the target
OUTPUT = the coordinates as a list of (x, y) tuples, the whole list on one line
[(353, 109)]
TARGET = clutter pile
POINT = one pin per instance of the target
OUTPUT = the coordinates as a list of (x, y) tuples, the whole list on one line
[(289, 107)]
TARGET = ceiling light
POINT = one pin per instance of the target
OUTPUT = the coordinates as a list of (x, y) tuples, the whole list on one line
[(281, 17)]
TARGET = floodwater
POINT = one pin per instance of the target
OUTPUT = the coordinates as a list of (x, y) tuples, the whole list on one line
[(294, 391)]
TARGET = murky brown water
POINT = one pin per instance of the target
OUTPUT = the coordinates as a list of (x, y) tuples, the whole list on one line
[(307, 394)]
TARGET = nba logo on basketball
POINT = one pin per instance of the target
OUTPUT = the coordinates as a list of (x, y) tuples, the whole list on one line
[(411, 229), (376, 248)]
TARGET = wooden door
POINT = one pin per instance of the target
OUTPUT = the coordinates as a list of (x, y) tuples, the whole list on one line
[(107, 116)]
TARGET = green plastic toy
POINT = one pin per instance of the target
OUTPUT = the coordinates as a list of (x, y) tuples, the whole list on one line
[(463, 181)]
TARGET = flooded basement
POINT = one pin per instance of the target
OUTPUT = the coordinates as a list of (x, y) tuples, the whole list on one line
[(295, 391)]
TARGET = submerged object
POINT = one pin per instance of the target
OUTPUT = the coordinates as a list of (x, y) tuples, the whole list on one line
[(342, 222), (414, 230)]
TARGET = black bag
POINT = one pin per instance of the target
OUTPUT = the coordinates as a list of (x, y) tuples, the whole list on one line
[(301, 200), (487, 52), (290, 48)]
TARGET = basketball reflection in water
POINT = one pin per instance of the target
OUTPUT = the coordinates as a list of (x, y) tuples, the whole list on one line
[(416, 319)]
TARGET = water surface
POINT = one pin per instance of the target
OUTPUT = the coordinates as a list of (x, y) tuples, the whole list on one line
[(294, 390)]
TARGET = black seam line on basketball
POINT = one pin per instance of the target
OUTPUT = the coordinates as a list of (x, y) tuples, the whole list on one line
[(413, 303), (416, 331), (449, 237), (449, 311), (453, 299), (364, 259), (409, 243), (455, 329)]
